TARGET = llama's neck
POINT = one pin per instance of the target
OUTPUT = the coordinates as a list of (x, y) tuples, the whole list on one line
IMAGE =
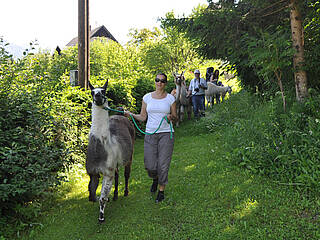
[(178, 91), (100, 122), (183, 90)]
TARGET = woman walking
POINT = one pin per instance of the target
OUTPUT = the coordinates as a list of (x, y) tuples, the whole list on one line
[(158, 147)]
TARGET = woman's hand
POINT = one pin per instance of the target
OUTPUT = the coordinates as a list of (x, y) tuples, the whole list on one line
[(171, 118), (127, 113)]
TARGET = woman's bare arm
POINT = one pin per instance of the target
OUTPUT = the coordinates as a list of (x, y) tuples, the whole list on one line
[(143, 113), (173, 113)]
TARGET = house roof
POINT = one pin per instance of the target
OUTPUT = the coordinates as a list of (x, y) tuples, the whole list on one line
[(101, 31)]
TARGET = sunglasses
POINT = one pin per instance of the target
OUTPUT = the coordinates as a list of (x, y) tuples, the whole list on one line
[(161, 80)]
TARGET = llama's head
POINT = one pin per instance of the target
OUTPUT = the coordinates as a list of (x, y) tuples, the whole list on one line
[(99, 94), (178, 78)]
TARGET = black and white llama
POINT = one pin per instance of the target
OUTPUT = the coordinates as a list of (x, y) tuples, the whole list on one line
[(111, 141)]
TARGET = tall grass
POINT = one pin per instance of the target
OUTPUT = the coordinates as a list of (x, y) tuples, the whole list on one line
[(262, 138), (209, 196)]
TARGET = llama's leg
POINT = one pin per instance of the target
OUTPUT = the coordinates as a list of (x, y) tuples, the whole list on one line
[(105, 190), (178, 115), (189, 111), (181, 113), (116, 183), (93, 184), (127, 171), (218, 98)]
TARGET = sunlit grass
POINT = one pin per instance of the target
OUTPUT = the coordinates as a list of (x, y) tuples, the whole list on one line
[(189, 168), (207, 198), (246, 208)]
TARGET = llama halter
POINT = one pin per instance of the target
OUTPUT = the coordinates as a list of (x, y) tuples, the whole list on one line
[(135, 123)]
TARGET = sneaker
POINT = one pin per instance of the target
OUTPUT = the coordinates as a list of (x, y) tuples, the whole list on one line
[(154, 186), (160, 196)]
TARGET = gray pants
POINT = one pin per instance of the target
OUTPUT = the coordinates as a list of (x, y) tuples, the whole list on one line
[(158, 150)]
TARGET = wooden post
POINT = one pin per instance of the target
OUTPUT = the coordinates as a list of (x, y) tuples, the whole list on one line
[(83, 42), (88, 45)]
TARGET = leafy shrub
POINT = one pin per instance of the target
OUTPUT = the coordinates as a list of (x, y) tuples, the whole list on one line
[(265, 140), (44, 127)]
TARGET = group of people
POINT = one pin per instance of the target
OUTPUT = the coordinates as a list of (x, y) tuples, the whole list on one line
[(197, 89), (158, 147), (213, 77)]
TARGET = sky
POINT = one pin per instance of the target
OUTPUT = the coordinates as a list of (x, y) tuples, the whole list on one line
[(55, 22)]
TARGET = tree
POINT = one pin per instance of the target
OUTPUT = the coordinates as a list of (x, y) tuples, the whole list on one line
[(181, 50), (300, 75), (269, 56), (220, 32), (166, 50), (139, 37), (312, 42)]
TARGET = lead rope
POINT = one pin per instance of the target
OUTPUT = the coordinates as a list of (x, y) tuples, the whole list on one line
[(135, 123)]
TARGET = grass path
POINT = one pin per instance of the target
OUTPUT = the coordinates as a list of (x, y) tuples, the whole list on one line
[(207, 198)]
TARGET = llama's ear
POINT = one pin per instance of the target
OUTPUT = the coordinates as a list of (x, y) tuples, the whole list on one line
[(90, 86), (182, 75), (106, 85)]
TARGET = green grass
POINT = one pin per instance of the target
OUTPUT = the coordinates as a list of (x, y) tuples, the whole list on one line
[(207, 198)]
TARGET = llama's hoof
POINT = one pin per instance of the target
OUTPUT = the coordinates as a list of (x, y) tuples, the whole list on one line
[(101, 217)]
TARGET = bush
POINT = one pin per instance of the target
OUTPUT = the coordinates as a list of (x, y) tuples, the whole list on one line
[(267, 141), (44, 127)]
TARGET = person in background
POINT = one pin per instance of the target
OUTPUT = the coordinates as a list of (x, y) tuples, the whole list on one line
[(158, 147), (209, 73), (215, 80), (196, 89)]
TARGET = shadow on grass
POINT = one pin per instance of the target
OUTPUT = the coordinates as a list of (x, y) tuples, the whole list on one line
[(207, 198)]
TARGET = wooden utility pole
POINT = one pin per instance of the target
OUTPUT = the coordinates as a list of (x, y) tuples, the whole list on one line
[(88, 45), (300, 75), (83, 43)]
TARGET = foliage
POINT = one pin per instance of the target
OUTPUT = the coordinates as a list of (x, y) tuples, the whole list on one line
[(44, 121), (222, 30), (138, 37), (41, 133), (312, 42), (271, 56), (263, 139), (169, 52), (207, 198)]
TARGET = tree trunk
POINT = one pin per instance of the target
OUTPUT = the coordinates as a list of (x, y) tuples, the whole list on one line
[(300, 75), (278, 75)]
